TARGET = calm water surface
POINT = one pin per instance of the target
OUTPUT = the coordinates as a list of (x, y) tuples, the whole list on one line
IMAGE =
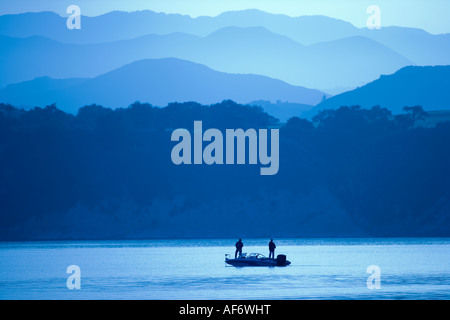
[(195, 269)]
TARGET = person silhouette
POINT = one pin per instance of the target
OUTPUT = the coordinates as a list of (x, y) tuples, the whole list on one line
[(239, 246), (272, 247)]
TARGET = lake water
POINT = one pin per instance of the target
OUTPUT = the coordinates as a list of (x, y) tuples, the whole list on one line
[(195, 269)]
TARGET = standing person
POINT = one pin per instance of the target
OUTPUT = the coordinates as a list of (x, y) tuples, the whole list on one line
[(239, 246), (272, 247)]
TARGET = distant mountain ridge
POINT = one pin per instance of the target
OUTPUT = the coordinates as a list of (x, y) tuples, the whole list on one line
[(354, 61), (416, 45), (138, 23), (410, 86), (157, 81), (318, 52)]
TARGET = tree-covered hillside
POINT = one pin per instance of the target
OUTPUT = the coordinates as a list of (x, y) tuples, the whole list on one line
[(108, 174)]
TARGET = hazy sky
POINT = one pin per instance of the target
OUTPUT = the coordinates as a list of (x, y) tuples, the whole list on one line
[(431, 15)]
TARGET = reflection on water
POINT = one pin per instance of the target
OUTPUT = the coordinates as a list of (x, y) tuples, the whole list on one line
[(195, 269)]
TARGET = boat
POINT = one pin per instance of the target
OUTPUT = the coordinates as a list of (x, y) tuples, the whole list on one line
[(257, 260)]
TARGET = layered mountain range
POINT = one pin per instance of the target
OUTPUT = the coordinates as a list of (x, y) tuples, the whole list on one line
[(308, 59)]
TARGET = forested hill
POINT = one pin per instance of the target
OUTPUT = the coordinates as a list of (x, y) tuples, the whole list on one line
[(108, 174)]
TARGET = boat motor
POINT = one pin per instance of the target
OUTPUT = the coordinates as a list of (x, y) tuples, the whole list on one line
[(281, 260)]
